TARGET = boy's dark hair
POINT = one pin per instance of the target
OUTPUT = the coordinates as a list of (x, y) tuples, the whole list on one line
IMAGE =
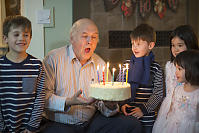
[(189, 61), (185, 33), (144, 32), (16, 21)]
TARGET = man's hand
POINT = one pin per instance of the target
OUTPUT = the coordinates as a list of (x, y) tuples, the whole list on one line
[(136, 112), (77, 99), (110, 104)]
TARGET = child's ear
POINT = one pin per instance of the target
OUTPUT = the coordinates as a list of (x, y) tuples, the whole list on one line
[(151, 45), (5, 39)]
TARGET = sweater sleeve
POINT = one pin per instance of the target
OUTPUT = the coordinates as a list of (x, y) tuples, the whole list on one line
[(36, 116), (1, 121), (156, 98)]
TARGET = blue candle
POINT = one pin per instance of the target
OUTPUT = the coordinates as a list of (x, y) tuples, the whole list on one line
[(120, 73)]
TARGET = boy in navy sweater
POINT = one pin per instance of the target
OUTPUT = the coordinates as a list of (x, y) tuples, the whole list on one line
[(145, 77), (21, 80)]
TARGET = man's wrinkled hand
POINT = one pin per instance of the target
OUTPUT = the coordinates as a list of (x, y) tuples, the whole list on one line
[(77, 99)]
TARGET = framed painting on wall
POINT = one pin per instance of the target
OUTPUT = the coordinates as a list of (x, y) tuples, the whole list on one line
[(12, 7)]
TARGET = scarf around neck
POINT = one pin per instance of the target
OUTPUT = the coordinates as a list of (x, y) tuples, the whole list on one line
[(139, 72)]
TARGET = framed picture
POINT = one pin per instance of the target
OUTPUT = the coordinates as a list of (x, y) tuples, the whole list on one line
[(12, 7)]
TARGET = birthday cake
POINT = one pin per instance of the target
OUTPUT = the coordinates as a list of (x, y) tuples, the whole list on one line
[(116, 91)]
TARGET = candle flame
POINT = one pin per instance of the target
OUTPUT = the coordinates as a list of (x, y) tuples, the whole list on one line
[(127, 66), (120, 66), (114, 69), (107, 64), (97, 67)]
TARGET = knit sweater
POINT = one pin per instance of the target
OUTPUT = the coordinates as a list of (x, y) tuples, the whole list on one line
[(147, 97), (21, 94)]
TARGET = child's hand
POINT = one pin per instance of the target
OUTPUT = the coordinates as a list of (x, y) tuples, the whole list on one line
[(124, 108), (27, 131), (136, 112)]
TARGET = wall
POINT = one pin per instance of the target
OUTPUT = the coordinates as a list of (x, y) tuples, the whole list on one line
[(47, 38), (58, 35), (81, 9), (29, 9), (193, 17)]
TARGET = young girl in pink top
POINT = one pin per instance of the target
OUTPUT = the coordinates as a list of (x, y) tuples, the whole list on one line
[(183, 113), (182, 38)]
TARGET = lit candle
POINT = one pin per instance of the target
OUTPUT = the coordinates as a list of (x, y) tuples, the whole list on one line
[(98, 74), (120, 73), (127, 72), (103, 75), (107, 71), (123, 76), (113, 75)]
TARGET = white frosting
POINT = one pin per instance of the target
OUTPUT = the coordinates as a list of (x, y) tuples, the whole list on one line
[(110, 91)]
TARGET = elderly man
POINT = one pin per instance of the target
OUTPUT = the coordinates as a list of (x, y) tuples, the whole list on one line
[(70, 70)]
